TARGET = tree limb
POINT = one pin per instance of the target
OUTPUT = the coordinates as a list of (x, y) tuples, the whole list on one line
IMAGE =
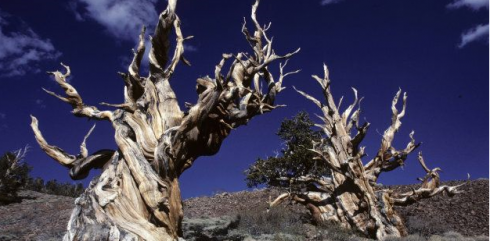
[(79, 165), (74, 99)]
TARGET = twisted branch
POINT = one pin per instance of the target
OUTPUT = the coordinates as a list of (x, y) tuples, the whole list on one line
[(74, 99), (79, 165)]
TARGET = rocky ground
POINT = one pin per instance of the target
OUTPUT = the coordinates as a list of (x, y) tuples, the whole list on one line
[(243, 216), (466, 213), (38, 217)]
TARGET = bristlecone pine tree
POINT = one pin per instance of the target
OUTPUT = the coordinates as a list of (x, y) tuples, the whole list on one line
[(14, 174), (137, 196), (295, 160), (350, 197)]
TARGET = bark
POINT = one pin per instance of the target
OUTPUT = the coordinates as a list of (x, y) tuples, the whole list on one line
[(137, 196), (351, 196)]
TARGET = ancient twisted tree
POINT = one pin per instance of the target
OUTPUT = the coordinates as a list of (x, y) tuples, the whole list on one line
[(350, 196), (137, 196)]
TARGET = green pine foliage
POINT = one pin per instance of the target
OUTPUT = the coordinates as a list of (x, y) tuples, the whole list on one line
[(295, 160), (14, 174)]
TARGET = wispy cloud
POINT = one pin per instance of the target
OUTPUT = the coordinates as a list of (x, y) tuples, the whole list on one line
[(328, 2), (21, 49), (121, 19), (473, 4), (477, 33), (3, 115)]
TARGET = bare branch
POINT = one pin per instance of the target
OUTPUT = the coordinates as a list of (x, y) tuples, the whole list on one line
[(414, 196), (126, 106), (431, 179), (354, 120), (282, 75), (179, 50), (389, 133), (134, 67), (361, 133), (278, 200), (307, 96), (422, 163), (160, 42), (74, 99), (79, 165), (83, 146), (82, 166), (217, 72), (346, 114), (54, 152)]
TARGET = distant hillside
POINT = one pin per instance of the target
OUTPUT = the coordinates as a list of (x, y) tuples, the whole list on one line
[(44, 217)]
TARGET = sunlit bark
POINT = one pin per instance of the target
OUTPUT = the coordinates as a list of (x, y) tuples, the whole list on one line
[(351, 196), (137, 196)]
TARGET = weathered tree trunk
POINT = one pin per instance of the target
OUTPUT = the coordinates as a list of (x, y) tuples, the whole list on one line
[(137, 196), (351, 197)]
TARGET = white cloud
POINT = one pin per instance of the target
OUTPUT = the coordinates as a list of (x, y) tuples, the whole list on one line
[(22, 50), (473, 4), (327, 2), (479, 32), (122, 19)]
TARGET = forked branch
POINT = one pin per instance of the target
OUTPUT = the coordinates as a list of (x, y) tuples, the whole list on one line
[(429, 188), (79, 165), (74, 99)]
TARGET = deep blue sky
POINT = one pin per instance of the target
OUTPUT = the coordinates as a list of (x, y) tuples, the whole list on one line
[(375, 46)]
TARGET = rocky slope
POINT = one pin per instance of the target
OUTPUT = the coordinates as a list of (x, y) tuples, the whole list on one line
[(38, 217), (242, 215), (467, 213)]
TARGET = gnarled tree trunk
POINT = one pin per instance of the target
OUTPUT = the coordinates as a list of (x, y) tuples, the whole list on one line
[(351, 197), (137, 196)]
